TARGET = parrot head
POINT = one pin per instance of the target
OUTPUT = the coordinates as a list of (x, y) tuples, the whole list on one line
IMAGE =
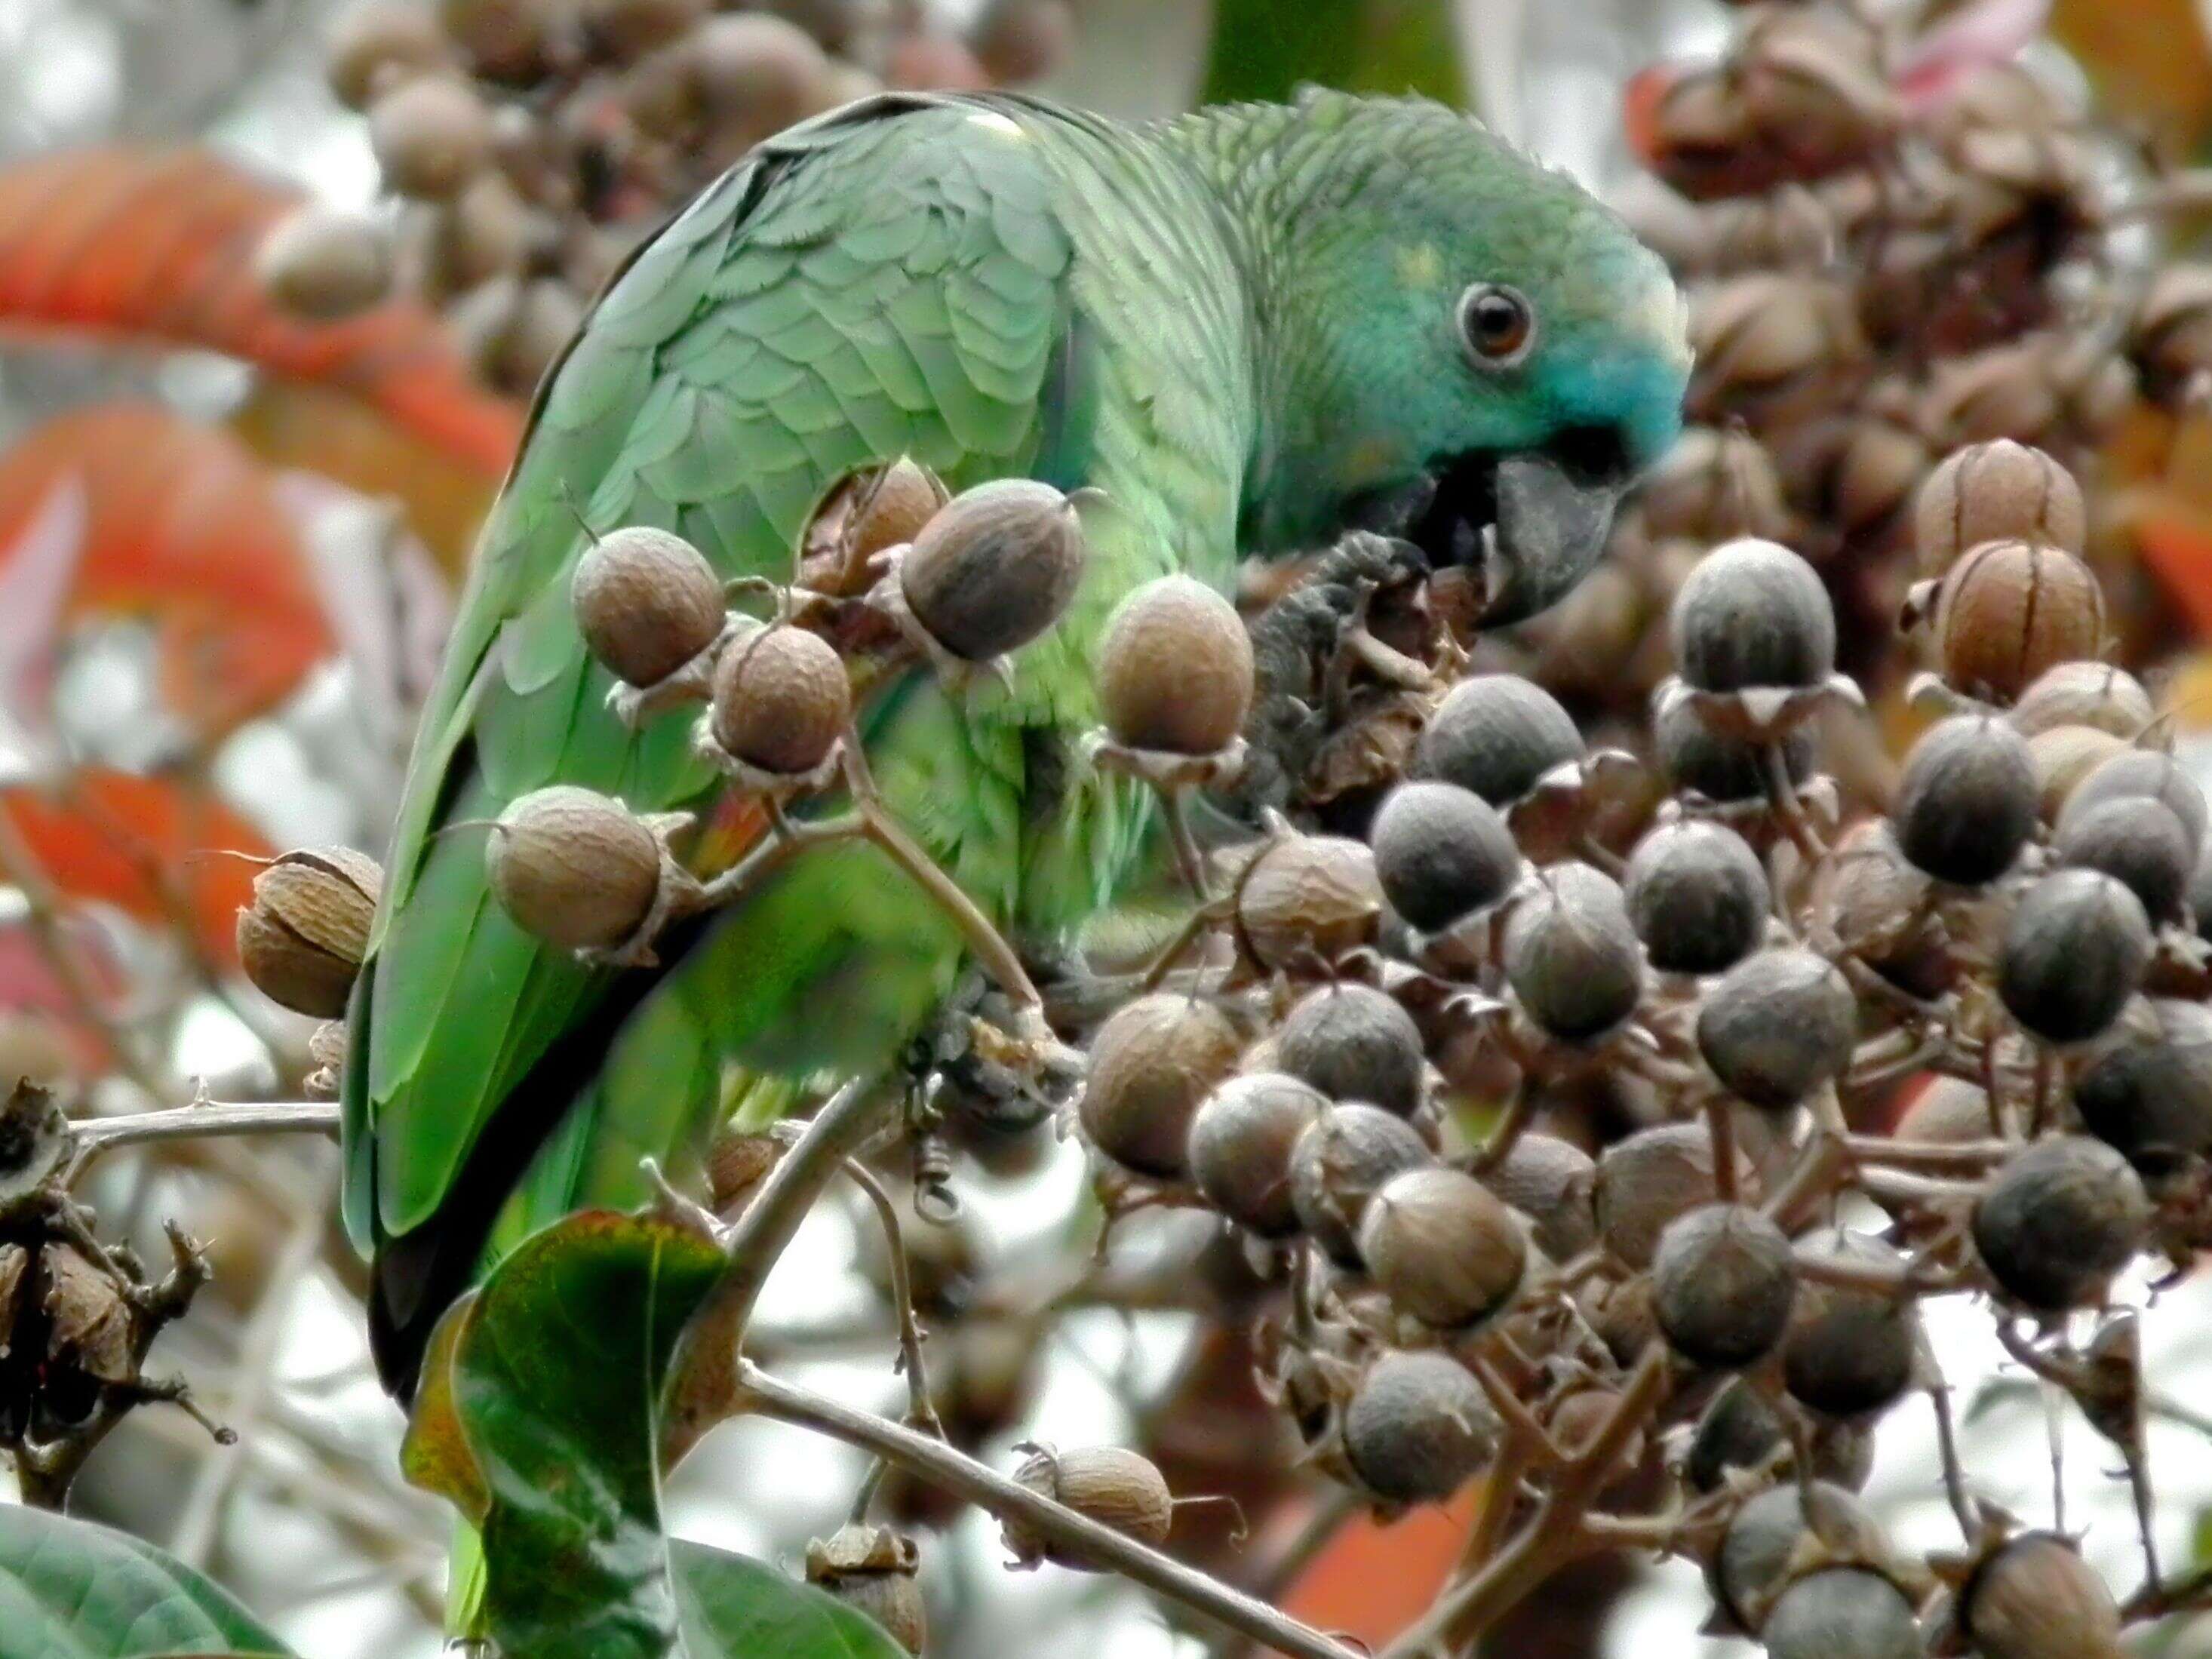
[(1472, 351)]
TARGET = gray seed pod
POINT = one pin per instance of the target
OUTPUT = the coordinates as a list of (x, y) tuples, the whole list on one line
[(1849, 1353), (2097, 695), (1339, 1163), (1442, 853), (2075, 950), (1752, 613), (2036, 1598), (1496, 734), (1722, 1282), (1353, 1042), (1739, 1430), (1571, 955), (1966, 801), (1842, 1612), (1418, 1428), (1757, 1551), (2058, 1220), (1645, 1181), (1442, 1247), (2149, 1093), (1719, 767), (995, 568), (1550, 1182), (2140, 844), (2136, 773), (1777, 1026), (1697, 896), (1240, 1148)]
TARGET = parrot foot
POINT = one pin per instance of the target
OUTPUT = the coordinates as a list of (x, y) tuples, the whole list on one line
[(994, 1062)]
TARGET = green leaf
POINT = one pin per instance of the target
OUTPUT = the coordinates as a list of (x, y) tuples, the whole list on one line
[(733, 1608), (70, 1589), (1264, 49)]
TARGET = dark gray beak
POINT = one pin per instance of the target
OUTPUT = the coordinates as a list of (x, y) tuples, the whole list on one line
[(1551, 522)]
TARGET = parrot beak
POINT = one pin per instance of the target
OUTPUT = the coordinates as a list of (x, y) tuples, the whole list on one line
[(1553, 521)]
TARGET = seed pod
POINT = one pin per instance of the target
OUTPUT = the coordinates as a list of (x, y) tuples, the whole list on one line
[(302, 939), (1240, 1148), (431, 135), (1341, 1162), (1151, 1066), (1619, 1311), (1697, 896), (374, 46), (1110, 1484), (1871, 474), (1777, 1026), (1948, 1111), (891, 504), (1442, 853), (1722, 1281), (1996, 491), (91, 1325), (323, 264), (1842, 1612), (1550, 1182), (630, 28), (1354, 1043), (1571, 956), (1965, 803), (2143, 775), (2063, 757), (1497, 734), (1018, 41), (573, 867), (871, 1569), (1175, 669), (1752, 613), (1418, 1428), (2009, 610), (1714, 764), (1645, 1181), (1306, 900), (2076, 949), (647, 602), (2149, 1092), (1739, 1430), (2092, 694), (2140, 845), (1442, 1247), (1849, 1353), (995, 568), (1715, 483), (1762, 333), (2036, 1598), (1762, 1544), (781, 698), (2173, 330), (1876, 903), (2058, 1220)]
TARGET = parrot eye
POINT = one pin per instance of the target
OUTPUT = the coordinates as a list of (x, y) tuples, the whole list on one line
[(1497, 324)]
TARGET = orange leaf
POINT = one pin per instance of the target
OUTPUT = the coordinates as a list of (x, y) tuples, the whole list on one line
[(141, 844), (158, 244), (1373, 1580), (183, 529)]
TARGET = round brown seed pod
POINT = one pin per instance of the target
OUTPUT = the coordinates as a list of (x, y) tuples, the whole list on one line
[(1850, 1352), (374, 45), (1175, 669), (892, 505), (1842, 1612), (1240, 1147), (995, 568), (1777, 1026), (1571, 955), (2075, 950), (1967, 801), (2140, 844), (1875, 901), (2143, 775), (2063, 757), (1996, 491), (1418, 1428), (1151, 1066), (2092, 694), (2058, 1220), (1761, 1546), (1305, 899), (302, 939), (1948, 1111), (1723, 1283), (1645, 1181), (1740, 1429), (781, 698), (647, 602), (1110, 1484), (323, 264), (1442, 1247), (1620, 1313), (574, 868), (1697, 896), (2036, 1598), (431, 135), (2009, 610), (1496, 734), (871, 1569), (1353, 1042), (630, 28), (2148, 1091), (1550, 1182), (1442, 853), (1344, 1157), (1751, 614)]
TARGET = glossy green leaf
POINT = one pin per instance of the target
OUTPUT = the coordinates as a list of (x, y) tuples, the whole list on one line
[(70, 1589), (733, 1608)]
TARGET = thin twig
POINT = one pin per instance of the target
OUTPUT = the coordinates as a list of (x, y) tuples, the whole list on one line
[(95, 1135), (921, 1409)]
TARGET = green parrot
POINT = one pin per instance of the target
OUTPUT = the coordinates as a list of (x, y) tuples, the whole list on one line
[(1250, 328)]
